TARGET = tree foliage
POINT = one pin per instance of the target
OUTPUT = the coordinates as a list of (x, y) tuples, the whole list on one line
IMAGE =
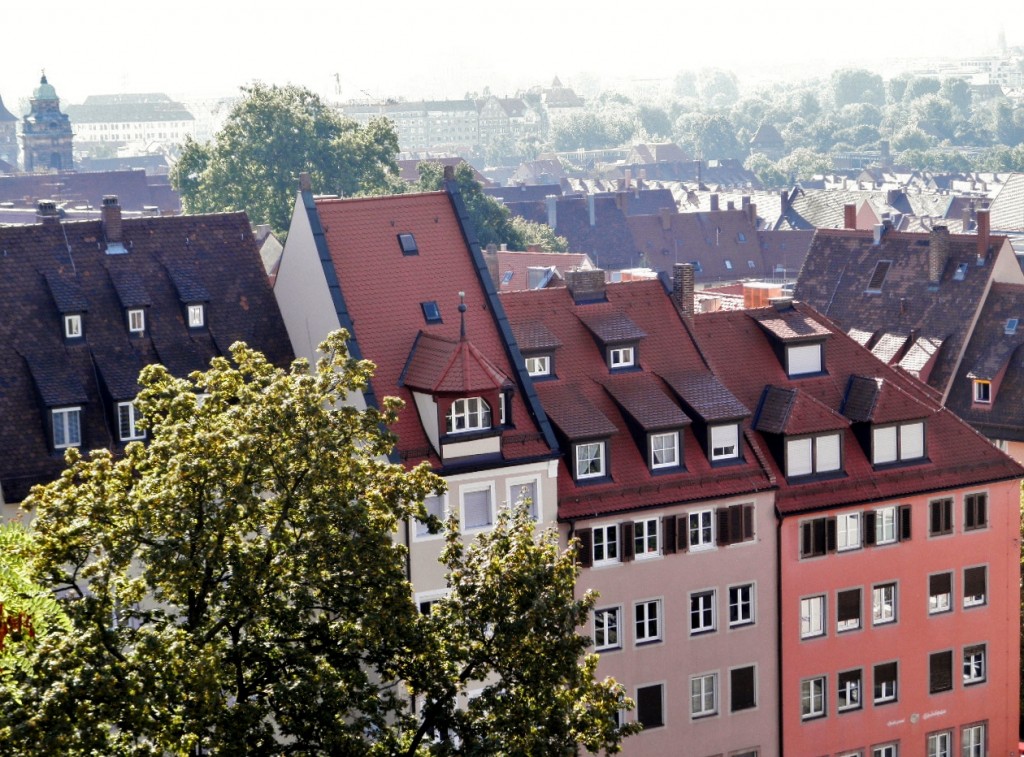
[(271, 136), (234, 585)]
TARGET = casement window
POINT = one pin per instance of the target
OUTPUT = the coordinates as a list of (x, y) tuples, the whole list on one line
[(645, 538), (621, 357), (848, 694), (538, 365), (940, 593), (887, 525), (67, 427), (885, 750), (196, 316), (848, 610), (940, 672), (650, 706), (974, 664), (468, 414), (477, 509), (883, 604), (885, 682), (525, 492), (434, 505), (735, 524), (972, 740), (664, 450), (606, 544), (741, 605), (848, 531), (819, 454), (724, 442), (982, 391), (606, 628), (73, 326), (136, 321), (817, 537), (701, 529), (704, 695), (128, 422), (590, 461), (975, 511), (803, 359), (940, 744), (426, 600), (647, 621), (940, 513), (974, 586), (742, 688), (902, 442), (812, 698), (702, 612), (812, 616)]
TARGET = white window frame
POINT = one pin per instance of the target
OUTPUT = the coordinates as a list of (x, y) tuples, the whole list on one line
[(889, 689), (983, 391), (741, 605), (812, 616), (622, 357), (196, 315), (848, 535), (812, 697), (428, 598), (703, 617), (538, 365), (63, 416), (589, 460), (73, 325), (885, 750), (134, 432), (898, 443), (799, 457), (647, 621), (420, 532), (514, 491), (646, 538), (975, 669), (468, 414), (885, 525), (972, 740), (608, 628), (666, 445), (940, 603), (804, 359), (724, 441), (700, 527), (883, 603), (474, 489), (136, 321), (704, 695), (608, 544), (854, 695), (940, 744)]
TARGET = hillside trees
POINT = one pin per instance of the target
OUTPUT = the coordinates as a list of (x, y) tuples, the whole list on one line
[(271, 136)]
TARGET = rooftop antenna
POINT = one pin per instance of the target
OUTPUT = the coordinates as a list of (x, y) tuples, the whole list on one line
[(462, 316)]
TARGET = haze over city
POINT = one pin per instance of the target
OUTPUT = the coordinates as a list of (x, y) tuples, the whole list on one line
[(413, 50)]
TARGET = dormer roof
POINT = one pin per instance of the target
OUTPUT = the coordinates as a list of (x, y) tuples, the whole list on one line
[(642, 396), (792, 412), (66, 292), (444, 366), (789, 325), (576, 417), (610, 327), (706, 395), (871, 399), (534, 336)]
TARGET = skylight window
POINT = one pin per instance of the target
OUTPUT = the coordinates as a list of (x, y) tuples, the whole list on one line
[(751, 265), (408, 244), (506, 278), (961, 271), (878, 275), (728, 265), (431, 313), (1011, 326), (696, 266)]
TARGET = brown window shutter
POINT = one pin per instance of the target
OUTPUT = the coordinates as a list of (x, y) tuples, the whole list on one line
[(940, 583), (735, 523), (974, 582), (904, 523), (748, 522), (830, 535), (682, 533), (626, 540), (723, 525), (806, 537), (849, 605), (869, 527), (585, 551), (668, 534)]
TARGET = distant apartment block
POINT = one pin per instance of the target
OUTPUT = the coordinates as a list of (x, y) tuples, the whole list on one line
[(152, 117)]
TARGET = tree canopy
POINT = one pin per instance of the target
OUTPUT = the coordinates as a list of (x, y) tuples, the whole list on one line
[(233, 585), (271, 136)]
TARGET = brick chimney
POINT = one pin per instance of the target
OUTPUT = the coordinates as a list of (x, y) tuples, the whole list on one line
[(491, 259), (682, 288), (850, 215), (46, 212), (305, 182), (111, 215), (938, 253), (449, 173), (552, 205), (590, 209), (666, 218), (586, 286), (983, 234), (714, 202), (752, 214), (784, 201)]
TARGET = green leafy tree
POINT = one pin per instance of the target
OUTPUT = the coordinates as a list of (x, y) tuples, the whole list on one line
[(765, 170), (655, 122), (856, 85), (919, 86), (707, 136), (271, 136), (804, 163), (957, 92), (717, 88)]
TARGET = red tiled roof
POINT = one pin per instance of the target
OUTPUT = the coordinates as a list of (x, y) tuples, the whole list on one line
[(790, 411), (514, 267), (643, 398), (790, 325), (439, 365)]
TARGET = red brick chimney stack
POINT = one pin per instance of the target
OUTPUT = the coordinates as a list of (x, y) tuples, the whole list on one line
[(983, 234), (111, 216), (850, 215)]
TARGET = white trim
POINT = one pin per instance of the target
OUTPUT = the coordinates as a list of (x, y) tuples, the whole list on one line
[(136, 321), (419, 532), (65, 414), (73, 326), (473, 489), (511, 499), (196, 315)]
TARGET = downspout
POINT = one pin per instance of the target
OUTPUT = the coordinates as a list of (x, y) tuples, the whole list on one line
[(778, 624)]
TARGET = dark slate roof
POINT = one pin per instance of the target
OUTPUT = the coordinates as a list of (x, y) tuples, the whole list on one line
[(1007, 209), (186, 277), (705, 395), (534, 335), (792, 412), (525, 192), (575, 416), (79, 188), (128, 109), (610, 327), (66, 292), (643, 397), (40, 370)]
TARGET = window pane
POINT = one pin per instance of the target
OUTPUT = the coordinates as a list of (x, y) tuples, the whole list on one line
[(798, 457), (883, 445), (649, 706), (724, 441), (477, 508), (804, 359), (827, 455), (911, 441)]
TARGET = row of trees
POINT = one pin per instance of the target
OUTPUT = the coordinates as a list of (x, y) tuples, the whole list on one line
[(233, 586)]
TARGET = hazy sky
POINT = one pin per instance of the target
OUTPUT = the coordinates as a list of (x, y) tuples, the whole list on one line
[(441, 49)]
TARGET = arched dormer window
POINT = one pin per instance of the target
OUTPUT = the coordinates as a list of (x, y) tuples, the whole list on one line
[(469, 414)]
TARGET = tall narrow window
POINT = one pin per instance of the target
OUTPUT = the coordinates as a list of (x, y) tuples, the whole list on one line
[(702, 612), (974, 586), (724, 442), (127, 421), (940, 672), (704, 695), (196, 316), (741, 605), (645, 538), (849, 690), (650, 706), (975, 511), (137, 321), (67, 427), (848, 612), (606, 544), (72, 326), (974, 664), (812, 698), (883, 604), (742, 688), (885, 682), (477, 510), (940, 593), (647, 621), (665, 450), (606, 628), (940, 516), (812, 616)]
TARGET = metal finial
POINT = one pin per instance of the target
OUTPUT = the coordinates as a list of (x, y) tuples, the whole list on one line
[(462, 315)]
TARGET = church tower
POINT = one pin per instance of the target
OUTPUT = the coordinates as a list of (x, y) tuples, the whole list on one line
[(8, 139), (46, 132)]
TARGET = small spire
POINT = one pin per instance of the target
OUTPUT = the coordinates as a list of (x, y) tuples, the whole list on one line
[(462, 316)]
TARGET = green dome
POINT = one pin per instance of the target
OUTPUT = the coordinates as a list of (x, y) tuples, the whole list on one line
[(44, 91)]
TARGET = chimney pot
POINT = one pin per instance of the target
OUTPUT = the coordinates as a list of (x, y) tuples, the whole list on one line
[(46, 212)]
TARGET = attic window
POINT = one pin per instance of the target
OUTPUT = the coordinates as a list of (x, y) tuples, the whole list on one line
[(196, 316), (696, 266), (803, 359), (728, 265), (506, 278), (538, 365), (901, 442), (431, 313), (982, 391), (750, 265), (813, 454), (471, 414), (961, 271), (1011, 326), (408, 244), (621, 357), (67, 427), (73, 326), (724, 442), (136, 321), (878, 276), (741, 237)]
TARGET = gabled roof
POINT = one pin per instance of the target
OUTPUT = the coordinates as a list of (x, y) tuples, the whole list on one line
[(872, 399), (790, 411), (1007, 208), (513, 267), (789, 325), (610, 327), (534, 335), (643, 398), (76, 188), (438, 365), (708, 397)]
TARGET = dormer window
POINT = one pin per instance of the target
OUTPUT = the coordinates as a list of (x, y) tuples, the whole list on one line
[(407, 242), (73, 326), (538, 365), (136, 321), (590, 460), (67, 427), (982, 391), (128, 422), (813, 454), (724, 442), (196, 315), (471, 414), (803, 359), (621, 357), (897, 443), (664, 450)]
